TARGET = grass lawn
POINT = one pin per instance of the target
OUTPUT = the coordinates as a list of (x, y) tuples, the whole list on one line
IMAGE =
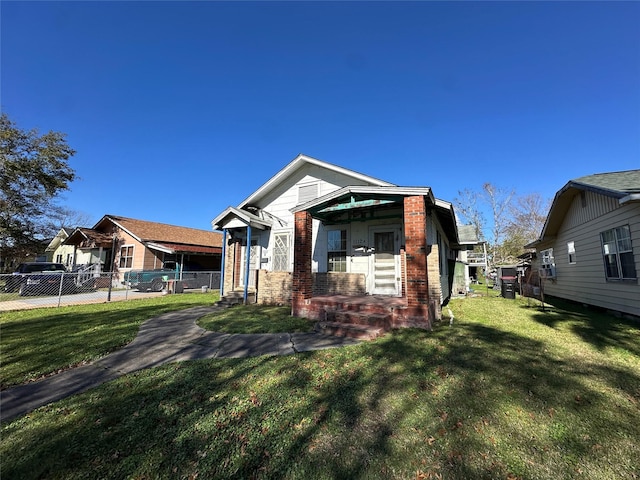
[(508, 391), (39, 342), (255, 319)]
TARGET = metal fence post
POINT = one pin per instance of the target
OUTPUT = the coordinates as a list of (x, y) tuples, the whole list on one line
[(110, 286), (60, 289)]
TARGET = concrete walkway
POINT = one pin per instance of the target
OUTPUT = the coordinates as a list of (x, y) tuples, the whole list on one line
[(172, 337)]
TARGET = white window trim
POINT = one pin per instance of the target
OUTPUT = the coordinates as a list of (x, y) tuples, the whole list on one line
[(133, 255), (571, 252)]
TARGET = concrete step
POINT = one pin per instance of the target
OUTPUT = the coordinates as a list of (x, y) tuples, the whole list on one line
[(236, 298), (339, 329)]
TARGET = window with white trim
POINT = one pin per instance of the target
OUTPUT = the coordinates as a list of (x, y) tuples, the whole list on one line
[(281, 252), (571, 252), (126, 256), (337, 250), (617, 253), (548, 263)]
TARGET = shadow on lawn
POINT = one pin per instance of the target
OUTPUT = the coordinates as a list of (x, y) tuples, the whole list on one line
[(61, 334), (593, 326), (410, 402)]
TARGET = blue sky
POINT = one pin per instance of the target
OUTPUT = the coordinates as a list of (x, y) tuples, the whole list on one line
[(180, 109)]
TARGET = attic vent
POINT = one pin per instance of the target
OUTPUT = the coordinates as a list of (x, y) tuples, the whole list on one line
[(306, 193)]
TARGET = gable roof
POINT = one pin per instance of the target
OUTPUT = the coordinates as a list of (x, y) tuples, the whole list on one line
[(244, 216), (145, 231), (366, 196), (90, 238), (615, 184), (59, 239), (297, 163), (623, 186), (157, 236)]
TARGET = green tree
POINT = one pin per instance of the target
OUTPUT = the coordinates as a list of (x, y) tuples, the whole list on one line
[(34, 170)]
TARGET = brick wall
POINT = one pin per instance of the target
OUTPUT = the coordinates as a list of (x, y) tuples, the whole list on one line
[(434, 287), (274, 288), (229, 266), (302, 281), (334, 283), (415, 231)]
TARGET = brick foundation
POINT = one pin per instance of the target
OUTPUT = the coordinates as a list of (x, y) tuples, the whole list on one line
[(274, 288), (334, 283)]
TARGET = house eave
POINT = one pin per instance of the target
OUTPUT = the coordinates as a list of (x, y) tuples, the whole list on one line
[(297, 163), (222, 221)]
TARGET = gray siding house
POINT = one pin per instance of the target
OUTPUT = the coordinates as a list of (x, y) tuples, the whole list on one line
[(589, 249)]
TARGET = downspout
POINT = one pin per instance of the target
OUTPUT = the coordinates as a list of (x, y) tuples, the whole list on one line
[(224, 255), (246, 268), (181, 264)]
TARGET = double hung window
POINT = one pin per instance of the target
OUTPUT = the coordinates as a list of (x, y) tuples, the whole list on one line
[(337, 250), (617, 254), (126, 256)]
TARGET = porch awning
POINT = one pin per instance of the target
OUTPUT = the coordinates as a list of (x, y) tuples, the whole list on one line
[(358, 197), (173, 248), (89, 238), (332, 206), (235, 218)]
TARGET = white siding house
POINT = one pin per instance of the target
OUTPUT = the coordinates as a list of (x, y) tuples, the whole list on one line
[(358, 237), (589, 250)]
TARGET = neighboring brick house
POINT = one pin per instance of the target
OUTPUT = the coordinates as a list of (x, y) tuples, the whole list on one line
[(323, 238), (589, 248), (121, 244)]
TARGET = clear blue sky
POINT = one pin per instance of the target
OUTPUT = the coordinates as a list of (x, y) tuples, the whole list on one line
[(178, 110)]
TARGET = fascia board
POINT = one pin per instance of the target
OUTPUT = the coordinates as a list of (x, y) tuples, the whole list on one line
[(297, 163), (363, 189)]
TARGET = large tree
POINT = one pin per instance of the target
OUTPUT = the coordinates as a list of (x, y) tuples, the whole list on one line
[(34, 170)]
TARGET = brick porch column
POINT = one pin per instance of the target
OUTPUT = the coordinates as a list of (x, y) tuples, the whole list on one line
[(416, 249), (302, 281)]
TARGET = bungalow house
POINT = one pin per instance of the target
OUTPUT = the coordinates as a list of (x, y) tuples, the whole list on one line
[(589, 249), (122, 244), (341, 247), (57, 251)]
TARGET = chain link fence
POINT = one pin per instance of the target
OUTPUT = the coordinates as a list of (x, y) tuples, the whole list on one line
[(46, 289)]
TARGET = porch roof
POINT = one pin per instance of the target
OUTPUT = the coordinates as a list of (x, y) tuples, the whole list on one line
[(234, 217), (174, 248), (89, 238), (367, 197), (359, 196)]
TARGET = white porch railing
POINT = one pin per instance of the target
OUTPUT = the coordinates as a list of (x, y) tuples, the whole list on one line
[(476, 259)]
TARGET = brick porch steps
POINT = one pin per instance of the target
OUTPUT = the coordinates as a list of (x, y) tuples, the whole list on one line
[(364, 317), (351, 330)]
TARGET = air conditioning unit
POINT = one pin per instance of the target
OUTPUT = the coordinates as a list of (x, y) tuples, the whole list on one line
[(548, 271)]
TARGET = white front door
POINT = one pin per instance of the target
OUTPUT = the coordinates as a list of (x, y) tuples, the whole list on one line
[(384, 267), (254, 259)]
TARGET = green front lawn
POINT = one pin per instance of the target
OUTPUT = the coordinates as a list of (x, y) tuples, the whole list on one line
[(507, 391), (42, 341), (255, 319)]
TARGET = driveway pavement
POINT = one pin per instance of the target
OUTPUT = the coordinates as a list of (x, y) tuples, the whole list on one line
[(172, 337)]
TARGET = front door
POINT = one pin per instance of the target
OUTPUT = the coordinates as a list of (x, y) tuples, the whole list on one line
[(254, 259), (384, 264)]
